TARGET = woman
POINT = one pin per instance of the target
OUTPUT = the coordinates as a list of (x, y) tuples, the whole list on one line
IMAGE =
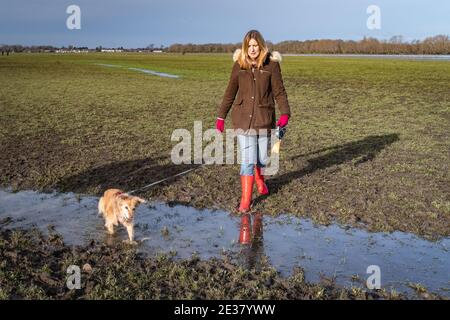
[(256, 79)]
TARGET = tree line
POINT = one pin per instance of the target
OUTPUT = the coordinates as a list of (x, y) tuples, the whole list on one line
[(439, 44)]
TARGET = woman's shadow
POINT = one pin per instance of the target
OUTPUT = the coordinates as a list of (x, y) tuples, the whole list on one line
[(360, 150)]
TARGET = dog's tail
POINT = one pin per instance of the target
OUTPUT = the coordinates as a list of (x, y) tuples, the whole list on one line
[(101, 206)]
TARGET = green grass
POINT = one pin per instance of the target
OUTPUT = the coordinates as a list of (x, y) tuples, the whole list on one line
[(367, 145)]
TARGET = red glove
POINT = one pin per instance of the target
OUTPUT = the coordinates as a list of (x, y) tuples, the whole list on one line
[(220, 124), (283, 121)]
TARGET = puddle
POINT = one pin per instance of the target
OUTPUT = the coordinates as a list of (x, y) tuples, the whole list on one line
[(161, 74), (148, 71), (287, 241), (109, 65)]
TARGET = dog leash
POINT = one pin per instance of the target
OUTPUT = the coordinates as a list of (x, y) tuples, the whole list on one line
[(162, 180)]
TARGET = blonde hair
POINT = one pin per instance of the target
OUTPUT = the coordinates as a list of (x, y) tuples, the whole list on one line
[(244, 60)]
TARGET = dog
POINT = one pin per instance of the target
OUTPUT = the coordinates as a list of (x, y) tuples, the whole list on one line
[(117, 207)]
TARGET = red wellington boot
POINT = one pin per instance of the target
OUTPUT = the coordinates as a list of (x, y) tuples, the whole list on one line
[(247, 189), (259, 180)]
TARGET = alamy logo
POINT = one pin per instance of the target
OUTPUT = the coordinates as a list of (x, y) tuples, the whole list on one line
[(74, 278), (190, 149), (374, 280), (74, 20), (374, 20)]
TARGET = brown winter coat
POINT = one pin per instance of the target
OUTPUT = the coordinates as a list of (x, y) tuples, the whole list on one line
[(252, 95)]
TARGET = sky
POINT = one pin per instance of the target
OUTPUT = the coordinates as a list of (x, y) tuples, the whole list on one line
[(139, 23)]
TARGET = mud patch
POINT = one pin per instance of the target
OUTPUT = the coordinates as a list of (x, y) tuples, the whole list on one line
[(30, 161), (34, 266)]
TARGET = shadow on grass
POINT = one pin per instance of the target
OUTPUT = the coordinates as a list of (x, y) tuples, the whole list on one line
[(362, 150), (126, 175)]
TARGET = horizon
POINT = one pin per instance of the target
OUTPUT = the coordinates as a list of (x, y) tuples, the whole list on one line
[(187, 43), (210, 43)]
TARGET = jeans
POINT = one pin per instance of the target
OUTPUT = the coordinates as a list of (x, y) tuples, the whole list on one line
[(253, 150)]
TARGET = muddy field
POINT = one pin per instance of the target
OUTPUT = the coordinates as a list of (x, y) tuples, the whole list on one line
[(367, 146), (368, 143)]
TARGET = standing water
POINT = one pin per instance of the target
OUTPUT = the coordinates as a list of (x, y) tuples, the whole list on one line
[(147, 71), (331, 251)]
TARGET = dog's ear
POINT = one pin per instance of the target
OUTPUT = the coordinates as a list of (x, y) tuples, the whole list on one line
[(123, 196), (140, 200)]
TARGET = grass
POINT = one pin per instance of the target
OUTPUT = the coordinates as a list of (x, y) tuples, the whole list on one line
[(367, 145)]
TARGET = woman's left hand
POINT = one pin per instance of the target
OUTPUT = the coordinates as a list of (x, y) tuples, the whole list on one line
[(283, 121)]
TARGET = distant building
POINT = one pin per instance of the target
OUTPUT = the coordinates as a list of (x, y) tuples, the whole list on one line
[(112, 50), (70, 51)]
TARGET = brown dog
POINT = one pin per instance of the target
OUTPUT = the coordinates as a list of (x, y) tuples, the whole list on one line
[(117, 206)]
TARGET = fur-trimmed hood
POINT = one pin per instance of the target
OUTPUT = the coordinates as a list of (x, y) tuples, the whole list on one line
[(274, 55)]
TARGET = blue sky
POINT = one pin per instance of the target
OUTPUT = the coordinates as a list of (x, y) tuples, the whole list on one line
[(138, 23)]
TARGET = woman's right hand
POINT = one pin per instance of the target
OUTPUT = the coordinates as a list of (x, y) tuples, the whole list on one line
[(220, 124)]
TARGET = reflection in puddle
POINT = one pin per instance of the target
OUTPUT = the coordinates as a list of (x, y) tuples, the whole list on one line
[(252, 241), (333, 251)]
